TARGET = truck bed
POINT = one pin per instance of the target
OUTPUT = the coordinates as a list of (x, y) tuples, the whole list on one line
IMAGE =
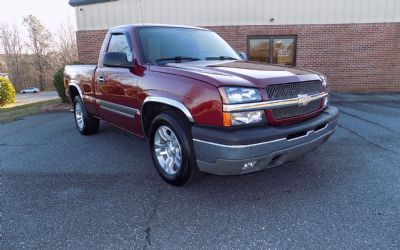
[(80, 72)]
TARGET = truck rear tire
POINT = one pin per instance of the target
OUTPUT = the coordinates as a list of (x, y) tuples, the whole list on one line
[(171, 148), (85, 123)]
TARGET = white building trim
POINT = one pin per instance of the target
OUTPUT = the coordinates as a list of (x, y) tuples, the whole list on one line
[(236, 12)]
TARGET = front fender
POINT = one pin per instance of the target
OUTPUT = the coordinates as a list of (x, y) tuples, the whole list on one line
[(171, 102)]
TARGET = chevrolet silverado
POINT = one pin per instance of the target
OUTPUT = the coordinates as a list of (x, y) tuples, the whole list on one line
[(201, 105)]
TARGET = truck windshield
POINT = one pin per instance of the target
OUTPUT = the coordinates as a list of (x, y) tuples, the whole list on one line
[(168, 44)]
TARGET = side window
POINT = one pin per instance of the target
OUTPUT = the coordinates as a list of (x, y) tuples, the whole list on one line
[(119, 43), (259, 49), (283, 51)]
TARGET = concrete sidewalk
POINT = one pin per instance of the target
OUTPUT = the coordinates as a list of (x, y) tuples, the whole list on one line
[(364, 97)]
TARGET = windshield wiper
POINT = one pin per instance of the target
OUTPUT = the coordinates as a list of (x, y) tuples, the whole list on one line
[(221, 58), (177, 59)]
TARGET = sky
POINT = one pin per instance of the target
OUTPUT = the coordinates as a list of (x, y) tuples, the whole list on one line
[(50, 12)]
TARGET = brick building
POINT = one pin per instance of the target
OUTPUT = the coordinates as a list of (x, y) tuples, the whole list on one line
[(356, 43)]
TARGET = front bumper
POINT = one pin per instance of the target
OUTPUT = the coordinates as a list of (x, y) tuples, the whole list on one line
[(226, 151)]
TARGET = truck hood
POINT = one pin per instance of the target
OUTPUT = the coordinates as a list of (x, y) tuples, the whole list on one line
[(237, 73)]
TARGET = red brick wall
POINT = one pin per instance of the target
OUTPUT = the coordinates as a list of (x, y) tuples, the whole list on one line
[(89, 44), (355, 57)]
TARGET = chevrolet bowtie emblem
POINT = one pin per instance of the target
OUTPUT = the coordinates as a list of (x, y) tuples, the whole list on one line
[(304, 100)]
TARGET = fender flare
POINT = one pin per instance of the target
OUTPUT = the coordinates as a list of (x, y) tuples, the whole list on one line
[(169, 102), (74, 83)]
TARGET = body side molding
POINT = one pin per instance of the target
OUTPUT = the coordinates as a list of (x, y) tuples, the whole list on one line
[(118, 109)]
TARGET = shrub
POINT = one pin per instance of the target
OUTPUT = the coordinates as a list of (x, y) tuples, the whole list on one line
[(58, 82), (7, 91)]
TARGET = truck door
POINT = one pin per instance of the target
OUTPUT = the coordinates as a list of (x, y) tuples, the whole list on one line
[(116, 88)]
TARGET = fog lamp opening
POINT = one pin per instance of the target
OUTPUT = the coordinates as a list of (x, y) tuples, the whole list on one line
[(250, 164)]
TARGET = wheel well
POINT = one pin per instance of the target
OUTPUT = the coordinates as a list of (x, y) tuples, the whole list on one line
[(73, 92), (151, 110)]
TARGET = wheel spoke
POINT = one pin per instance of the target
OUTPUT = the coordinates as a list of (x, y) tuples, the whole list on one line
[(158, 146), (168, 164), (178, 159), (166, 133), (167, 150)]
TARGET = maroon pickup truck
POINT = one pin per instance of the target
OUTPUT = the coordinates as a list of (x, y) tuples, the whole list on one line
[(201, 105)]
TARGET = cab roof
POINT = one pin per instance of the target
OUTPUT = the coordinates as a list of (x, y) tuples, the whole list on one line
[(139, 25)]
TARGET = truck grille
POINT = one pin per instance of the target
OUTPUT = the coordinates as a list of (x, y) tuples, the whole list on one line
[(292, 111), (292, 90)]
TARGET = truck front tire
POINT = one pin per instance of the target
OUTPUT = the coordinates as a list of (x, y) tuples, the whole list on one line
[(85, 123), (172, 148)]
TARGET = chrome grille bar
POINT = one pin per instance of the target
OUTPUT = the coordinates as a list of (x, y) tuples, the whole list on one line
[(298, 101)]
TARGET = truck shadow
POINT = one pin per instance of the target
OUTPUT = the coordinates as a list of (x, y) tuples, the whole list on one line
[(308, 175), (304, 177)]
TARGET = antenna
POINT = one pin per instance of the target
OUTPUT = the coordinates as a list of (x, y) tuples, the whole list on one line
[(141, 11)]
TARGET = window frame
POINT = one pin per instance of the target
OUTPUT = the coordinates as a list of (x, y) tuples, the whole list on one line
[(271, 46), (119, 33)]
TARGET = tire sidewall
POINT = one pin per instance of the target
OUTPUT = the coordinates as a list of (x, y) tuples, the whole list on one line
[(76, 101), (177, 126)]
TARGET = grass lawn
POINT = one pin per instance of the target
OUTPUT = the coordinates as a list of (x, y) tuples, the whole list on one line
[(8, 114)]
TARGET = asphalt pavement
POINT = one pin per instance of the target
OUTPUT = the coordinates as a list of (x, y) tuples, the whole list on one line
[(62, 190)]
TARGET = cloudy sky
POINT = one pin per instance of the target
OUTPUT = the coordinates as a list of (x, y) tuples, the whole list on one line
[(50, 12)]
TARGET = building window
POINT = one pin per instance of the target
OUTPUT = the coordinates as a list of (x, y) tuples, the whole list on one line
[(273, 49)]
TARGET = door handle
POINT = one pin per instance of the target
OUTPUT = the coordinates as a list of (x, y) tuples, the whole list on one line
[(101, 79)]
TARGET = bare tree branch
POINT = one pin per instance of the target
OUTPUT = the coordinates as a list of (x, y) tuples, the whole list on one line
[(12, 48), (34, 62), (40, 42)]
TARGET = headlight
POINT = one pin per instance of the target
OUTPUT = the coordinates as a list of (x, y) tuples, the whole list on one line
[(325, 83), (326, 102), (243, 118), (232, 95)]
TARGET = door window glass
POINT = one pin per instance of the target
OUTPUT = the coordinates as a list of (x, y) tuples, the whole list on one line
[(119, 43)]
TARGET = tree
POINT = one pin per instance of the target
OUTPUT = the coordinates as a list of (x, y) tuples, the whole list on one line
[(3, 65), (67, 51), (34, 62), (40, 41), (17, 63)]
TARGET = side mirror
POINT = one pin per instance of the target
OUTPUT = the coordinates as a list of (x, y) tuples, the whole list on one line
[(116, 59), (243, 55)]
